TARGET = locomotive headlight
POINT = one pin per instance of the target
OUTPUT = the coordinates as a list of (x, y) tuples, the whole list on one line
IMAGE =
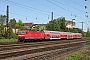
[(23, 35), (19, 35)]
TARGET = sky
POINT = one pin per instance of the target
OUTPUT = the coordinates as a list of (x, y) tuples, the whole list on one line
[(39, 11)]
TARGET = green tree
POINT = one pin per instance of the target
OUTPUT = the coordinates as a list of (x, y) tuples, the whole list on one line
[(2, 19), (13, 23), (63, 25), (20, 25), (2, 32), (57, 24), (50, 25), (75, 30), (11, 33), (2, 22), (88, 33)]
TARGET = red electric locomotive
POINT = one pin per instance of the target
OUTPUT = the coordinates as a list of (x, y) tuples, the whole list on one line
[(30, 35)]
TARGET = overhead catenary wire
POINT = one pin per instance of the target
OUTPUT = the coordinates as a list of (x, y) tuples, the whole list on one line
[(78, 4), (24, 6), (68, 6), (21, 15), (59, 6), (15, 13), (28, 7), (35, 8), (63, 8), (36, 17), (48, 7), (43, 4), (51, 8), (81, 6), (75, 3)]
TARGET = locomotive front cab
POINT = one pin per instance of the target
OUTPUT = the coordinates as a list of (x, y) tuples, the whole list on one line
[(21, 35)]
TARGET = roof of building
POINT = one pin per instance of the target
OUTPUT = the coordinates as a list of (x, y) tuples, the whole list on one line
[(28, 24), (70, 22)]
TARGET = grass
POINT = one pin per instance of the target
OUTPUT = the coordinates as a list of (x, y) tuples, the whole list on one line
[(74, 56), (8, 40), (77, 56)]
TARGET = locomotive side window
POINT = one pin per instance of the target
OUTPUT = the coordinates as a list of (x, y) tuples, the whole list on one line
[(21, 32)]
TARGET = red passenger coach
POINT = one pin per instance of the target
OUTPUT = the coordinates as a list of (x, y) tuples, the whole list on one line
[(69, 35), (66, 35), (47, 35), (74, 35), (63, 35), (55, 35), (77, 35), (52, 35)]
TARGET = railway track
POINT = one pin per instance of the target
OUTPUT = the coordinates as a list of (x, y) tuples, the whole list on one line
[(35, 47), (49, 46), (53, 54), (56, 53), (52, 41), (18, 53), (35, 43), (22, 46)]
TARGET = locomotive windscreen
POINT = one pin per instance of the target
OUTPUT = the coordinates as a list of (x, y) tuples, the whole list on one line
[(21, 32)]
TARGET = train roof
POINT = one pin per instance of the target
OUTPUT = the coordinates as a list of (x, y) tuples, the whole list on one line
[(50, 31)]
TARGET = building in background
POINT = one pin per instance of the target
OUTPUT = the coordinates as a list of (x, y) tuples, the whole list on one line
[(70, 24), (29, 25), (42, 26), (32, 25)]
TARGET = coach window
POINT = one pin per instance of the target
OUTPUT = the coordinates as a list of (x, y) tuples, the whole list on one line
[(47, 34)]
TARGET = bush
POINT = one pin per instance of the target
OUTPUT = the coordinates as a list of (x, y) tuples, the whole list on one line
[(8, 40)]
